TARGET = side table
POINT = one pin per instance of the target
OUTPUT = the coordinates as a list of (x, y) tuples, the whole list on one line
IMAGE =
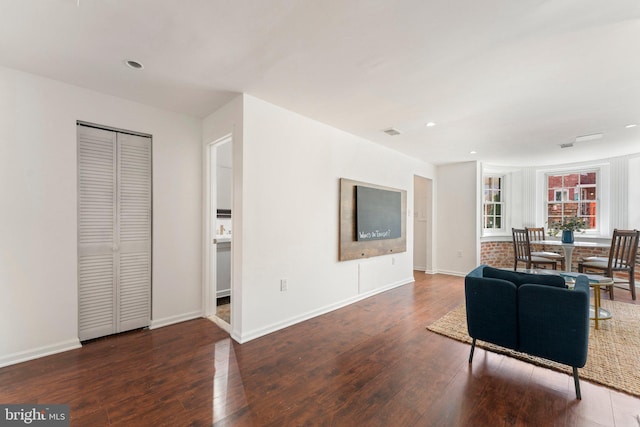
[(596, 312)]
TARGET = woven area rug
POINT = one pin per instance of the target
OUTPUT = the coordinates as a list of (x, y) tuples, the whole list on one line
[(614, 349)]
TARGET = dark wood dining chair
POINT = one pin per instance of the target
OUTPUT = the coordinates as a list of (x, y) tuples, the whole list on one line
[(537, 233), (622, 258), (522, 251)]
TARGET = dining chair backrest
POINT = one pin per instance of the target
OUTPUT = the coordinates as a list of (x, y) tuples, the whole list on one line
[(521, 248), (536, 233), (624, 246)]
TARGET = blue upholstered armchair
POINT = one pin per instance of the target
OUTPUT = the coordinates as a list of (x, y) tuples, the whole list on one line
[(531, 313)]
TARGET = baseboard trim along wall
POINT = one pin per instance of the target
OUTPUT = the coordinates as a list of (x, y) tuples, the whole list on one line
[(73, 344), (425, 270), (452, 273), (159, 323), (251, 335), (36, 353)]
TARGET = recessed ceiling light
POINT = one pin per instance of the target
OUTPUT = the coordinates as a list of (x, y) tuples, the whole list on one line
[(133, 64), (632, 125), (473, 152), (430, 124)]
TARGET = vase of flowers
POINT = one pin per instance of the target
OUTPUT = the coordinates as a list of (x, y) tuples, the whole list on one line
[(568, 226)]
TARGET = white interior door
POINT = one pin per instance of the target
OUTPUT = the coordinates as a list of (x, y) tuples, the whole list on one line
[(114, 232), (134, 232), (96, 232)]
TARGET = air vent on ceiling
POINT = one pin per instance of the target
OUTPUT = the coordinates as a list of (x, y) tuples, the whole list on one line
[(133, 64), (591, 137), (566, 145), (392, 131)]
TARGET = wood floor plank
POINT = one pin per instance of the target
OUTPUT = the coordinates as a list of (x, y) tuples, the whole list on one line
[(625, 408), (370, 363), (538, 408)]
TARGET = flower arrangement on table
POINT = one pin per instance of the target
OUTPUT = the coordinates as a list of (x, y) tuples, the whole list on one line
[(568, 226)]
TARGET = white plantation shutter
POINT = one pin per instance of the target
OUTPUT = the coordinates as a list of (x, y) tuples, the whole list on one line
[(114, 232), (96, 232), (96, 296), (134, 207), (97, 166)]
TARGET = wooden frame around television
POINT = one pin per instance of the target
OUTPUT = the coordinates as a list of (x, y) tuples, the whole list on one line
[(350, 248)]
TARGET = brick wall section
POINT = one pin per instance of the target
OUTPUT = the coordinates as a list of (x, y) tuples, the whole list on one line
[(500, 255), (497, 254)]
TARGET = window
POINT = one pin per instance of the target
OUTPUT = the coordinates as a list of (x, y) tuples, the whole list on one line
[(573, 194), (493, 209)]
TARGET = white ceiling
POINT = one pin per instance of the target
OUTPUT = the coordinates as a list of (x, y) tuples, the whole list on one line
[(509, 79)]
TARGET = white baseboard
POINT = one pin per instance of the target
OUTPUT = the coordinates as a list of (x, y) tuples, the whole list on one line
[(223, 293), (251, 335), (236, 337), (24, 356), (452, 273), (159, 323), (220, 323), (419, 268), (36, 353), (425, 270)]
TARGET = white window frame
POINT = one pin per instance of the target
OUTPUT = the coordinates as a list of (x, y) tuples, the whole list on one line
[(603, 202), (504, 229)]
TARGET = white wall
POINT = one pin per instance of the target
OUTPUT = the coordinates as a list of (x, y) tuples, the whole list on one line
[(457, 230), (633, 192), (38, 243), (290, 215)]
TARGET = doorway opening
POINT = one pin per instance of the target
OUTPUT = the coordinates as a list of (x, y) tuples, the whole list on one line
[(422, 224), (219, 230)]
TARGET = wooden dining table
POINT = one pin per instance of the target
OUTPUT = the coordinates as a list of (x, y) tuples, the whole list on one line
[(568, 247)]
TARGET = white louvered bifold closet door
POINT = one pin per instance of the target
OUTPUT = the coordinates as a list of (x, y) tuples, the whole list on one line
[(114, 232), (134, 214)]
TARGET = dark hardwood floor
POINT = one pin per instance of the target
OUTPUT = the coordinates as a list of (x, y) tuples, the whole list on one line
[(372, 363)]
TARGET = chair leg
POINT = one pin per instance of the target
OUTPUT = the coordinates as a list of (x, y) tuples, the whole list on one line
[(632, 284), (576, 381), (473, 347)]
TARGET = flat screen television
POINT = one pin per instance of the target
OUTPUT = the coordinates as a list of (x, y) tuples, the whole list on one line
[(378, 214)]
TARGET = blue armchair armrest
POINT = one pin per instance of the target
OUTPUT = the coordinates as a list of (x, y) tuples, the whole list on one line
[(492, 310)]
